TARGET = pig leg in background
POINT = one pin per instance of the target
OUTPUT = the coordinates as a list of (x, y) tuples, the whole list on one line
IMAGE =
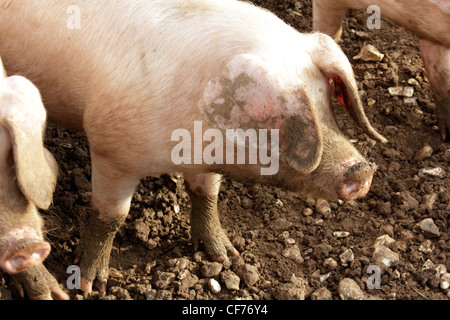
[(112, 191), (328, 18), (436, 59), (39, 284), (203, 189)]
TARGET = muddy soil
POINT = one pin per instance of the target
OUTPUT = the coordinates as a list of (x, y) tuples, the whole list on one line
[(291, 245)]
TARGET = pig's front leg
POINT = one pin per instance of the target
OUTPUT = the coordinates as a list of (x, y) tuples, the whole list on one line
[(38, 284), (203, 190), (436, 60), (112, 191)]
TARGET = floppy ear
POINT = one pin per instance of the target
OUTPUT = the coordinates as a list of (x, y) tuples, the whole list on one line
[(333, 63), (23, 115), (247, 95)]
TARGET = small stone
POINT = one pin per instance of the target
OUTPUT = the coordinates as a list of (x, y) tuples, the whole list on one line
[(199, 256), (230, 279), (214, 286), (428, 201), (401, 91), (389, 230), (414, 83), (321, 294), (296, 289), (294, 254), (444, 282), (341, 234), (321, 277), (427, 227), (150, 295), (323, 208), (279, 203), (369, 53), (210, 269), (307, 212), (407, 201), (425, 152), (384, 240), (164, 279), (248, 274), (447, 154), (425, 247), (435, 172), (163, 295), (330, 263), (348, 289), (410, 101), (347, 256), (384, 257)]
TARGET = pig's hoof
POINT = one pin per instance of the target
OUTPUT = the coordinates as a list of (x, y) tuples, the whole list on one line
[(218, 247), (38, 284)]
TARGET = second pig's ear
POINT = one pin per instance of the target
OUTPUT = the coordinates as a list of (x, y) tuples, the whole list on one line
[(248, 95), (22, 113), (333, 63)]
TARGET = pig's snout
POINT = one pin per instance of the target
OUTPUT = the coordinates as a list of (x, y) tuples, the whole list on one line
[(24, 248), (356, 179)]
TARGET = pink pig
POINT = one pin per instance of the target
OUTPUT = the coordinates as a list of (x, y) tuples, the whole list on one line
[(27, 180), (136, 71)]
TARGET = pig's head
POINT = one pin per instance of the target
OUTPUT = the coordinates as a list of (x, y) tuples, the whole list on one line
[(293, 95), (28, 175)]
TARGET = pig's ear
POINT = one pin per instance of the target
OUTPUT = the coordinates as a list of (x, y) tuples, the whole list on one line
[(247, 95), (2, 70), (333, 63), (23, 114)]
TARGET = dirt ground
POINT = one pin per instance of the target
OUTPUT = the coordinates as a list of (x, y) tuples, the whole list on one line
[(285, 239)]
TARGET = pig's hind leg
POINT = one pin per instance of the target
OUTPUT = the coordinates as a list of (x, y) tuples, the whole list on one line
[(203, 190), (112, 191)]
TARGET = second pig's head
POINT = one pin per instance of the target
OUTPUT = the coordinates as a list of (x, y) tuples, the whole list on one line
[(292, 94)]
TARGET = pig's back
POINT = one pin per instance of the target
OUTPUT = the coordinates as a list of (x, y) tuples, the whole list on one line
[(150, 57)]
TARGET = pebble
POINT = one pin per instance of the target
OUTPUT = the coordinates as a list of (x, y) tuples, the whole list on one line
[(447, 154), (407, 201), (411, 101), (369, 53), (230, 279), (348, 289), (384, 240), (341, 234), (214, 285), (425, 247), (321, 294), (435, 172), (321, 277), (384, 257), (293, 253), (401, 91), (427, 228), (425, 152), (248, 274), (307, 212), (210, 269), (330, 263), (296, 289), (323, 208), (164, 279), (347, 256), (445, 281), (428, 201)]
